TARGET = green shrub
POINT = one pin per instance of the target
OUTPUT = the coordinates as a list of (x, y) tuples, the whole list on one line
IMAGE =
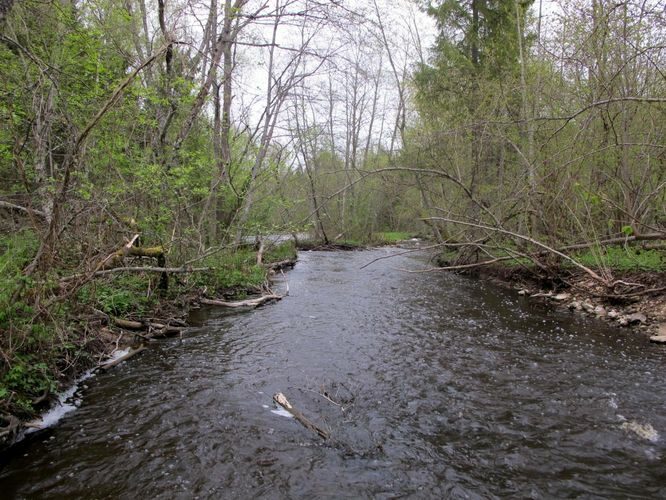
[(16, 251)]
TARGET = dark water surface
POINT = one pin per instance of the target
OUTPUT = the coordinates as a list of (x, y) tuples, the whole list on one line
[(447, 387)]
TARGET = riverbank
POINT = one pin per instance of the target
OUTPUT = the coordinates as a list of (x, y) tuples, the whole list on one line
[(112, 317), (637, 300)]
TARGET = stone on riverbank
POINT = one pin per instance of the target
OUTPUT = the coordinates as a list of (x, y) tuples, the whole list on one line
[(660, 337), (561, 297), (636, 318), (600, 311)]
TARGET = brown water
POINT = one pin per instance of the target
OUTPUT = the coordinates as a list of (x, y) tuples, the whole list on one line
[(448, 387)]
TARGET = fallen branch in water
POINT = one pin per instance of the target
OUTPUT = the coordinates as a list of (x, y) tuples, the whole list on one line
[(242, 303), (282, 400), (130, 354)]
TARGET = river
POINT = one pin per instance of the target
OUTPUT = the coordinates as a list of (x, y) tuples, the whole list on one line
[(436, 386)]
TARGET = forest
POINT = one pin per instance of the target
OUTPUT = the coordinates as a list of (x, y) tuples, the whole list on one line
[(177, 135)]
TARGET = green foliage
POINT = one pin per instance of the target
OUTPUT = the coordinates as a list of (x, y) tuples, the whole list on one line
[(624, 259), (232, 270), (283, 251), (16, 251), (123, 296), (28, 377)]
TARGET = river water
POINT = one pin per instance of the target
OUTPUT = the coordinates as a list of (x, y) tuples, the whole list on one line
[(437, 386)]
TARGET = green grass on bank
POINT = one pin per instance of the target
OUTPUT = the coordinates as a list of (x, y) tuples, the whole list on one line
[(624, 259), (390, 237)]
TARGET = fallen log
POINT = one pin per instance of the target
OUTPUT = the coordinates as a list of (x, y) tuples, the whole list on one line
[(130, 354), (139, 269), (242, 303), (114, 259), (159, 328), (281, 399), (25, 210)]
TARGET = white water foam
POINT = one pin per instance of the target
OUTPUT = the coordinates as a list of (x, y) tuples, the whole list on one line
[(67, 401), (646, 431), (282, 412)]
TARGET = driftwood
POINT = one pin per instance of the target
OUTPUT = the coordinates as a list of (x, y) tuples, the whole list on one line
[(130, 354), (281, 399), (242, 303), (159, 328)]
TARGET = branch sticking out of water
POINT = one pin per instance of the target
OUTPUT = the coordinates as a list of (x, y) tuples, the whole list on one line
[(282, 400)]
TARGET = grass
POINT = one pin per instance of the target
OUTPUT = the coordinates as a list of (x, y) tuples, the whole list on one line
[(283, 251), (16, 251), (390, 237), (624, 259)]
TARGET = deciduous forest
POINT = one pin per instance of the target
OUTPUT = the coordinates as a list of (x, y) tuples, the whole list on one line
[(149, 148)]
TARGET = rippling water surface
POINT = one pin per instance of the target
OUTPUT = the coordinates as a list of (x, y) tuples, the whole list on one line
[(439, 386)]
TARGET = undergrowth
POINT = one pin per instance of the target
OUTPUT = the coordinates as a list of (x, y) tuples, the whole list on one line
[(624, 259), (28, 338)]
